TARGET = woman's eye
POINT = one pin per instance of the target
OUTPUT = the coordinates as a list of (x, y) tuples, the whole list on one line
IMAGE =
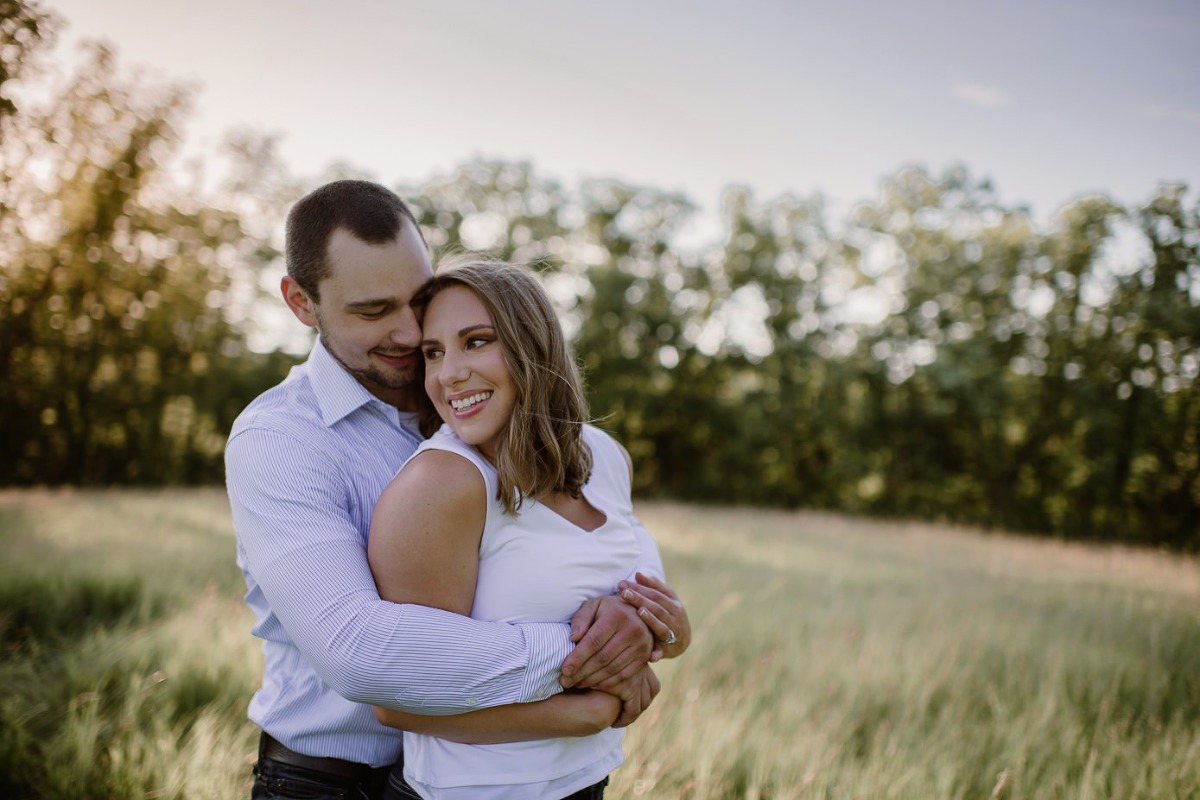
[(476, 341), (432, 353)]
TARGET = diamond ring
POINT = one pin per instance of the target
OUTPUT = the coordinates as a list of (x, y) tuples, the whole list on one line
[(670, 637)]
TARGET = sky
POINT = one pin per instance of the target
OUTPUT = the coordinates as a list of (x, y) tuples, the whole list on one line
[(1049, 99)]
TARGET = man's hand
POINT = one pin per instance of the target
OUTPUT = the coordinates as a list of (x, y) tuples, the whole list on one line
[(613, 645)]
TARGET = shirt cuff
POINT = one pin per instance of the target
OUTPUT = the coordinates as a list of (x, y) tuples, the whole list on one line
[(548, 643)]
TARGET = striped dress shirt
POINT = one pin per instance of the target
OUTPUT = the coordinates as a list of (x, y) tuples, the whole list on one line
[(305, 463)]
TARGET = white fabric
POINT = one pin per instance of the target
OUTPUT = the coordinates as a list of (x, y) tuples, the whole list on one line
[(536, 567)]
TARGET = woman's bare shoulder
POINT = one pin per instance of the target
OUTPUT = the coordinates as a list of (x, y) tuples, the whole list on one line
[(434, 483)]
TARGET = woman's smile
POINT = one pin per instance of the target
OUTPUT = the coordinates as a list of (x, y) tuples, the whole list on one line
[(468, 404)]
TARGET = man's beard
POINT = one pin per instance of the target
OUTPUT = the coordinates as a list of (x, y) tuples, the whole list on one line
[(374, 375)]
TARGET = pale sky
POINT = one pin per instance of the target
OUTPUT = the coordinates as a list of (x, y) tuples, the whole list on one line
[(1050, 99)]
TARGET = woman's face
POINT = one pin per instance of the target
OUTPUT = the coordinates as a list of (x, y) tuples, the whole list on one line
[(465, 374)]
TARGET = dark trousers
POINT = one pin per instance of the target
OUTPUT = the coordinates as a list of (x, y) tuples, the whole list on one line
[(398, 789), (282, 774)]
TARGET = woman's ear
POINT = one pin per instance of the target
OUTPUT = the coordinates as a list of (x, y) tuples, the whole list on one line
[(298, 301)]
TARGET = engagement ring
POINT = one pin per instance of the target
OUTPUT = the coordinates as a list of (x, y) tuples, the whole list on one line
[(670, 637)]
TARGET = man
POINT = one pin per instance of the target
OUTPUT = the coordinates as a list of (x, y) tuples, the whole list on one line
[(305, 463)]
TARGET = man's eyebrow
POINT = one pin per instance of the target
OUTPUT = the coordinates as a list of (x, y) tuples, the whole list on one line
[(385, 302)]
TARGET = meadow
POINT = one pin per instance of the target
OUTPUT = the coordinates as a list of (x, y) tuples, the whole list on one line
[(833, 658)]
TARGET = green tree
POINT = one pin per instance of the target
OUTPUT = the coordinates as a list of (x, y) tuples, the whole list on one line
[(504, 209), (945, 255), (1144, 446), (771, 282), (114, 338)]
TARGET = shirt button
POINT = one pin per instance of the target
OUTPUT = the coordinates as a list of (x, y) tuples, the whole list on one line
[(472, 701)]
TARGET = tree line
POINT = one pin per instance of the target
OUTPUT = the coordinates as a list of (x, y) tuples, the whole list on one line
[(935, 354)]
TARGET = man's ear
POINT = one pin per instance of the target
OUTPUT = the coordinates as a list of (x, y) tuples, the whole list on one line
[(298, 301)]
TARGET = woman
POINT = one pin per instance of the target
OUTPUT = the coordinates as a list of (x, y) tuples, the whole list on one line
[(515, 510)]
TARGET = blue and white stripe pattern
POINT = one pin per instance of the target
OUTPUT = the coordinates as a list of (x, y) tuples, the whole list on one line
[(305, 464)]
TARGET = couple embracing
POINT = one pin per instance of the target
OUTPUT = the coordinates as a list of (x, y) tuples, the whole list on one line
[(455, 598)]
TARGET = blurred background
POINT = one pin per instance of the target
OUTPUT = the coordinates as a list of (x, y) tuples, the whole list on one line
[(925, 260)]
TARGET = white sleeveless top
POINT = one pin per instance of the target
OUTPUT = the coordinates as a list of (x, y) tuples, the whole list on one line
[(534, 567)]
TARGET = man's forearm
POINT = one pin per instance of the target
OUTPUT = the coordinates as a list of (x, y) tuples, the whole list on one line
[(428, 661)]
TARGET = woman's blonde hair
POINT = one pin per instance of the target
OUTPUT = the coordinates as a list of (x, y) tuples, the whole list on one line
[(541, 450)]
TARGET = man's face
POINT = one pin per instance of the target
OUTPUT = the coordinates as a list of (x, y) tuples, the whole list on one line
[(364, 317)]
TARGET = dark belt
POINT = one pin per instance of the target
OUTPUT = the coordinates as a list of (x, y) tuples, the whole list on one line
[(270, 748)]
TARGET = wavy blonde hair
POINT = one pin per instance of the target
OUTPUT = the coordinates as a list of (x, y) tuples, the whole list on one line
[(541, 449)]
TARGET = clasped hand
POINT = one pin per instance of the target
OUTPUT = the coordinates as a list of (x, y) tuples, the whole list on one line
[(618, 636)]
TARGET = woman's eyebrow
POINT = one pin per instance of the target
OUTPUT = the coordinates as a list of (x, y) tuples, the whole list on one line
[(479, 326)]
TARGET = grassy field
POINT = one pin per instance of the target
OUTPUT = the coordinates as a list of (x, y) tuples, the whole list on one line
[(833, 658)]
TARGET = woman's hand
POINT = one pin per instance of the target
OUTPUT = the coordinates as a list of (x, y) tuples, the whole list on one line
[(661, 610)]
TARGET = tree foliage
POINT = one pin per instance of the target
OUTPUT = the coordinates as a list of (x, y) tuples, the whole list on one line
[(120, 361), (941, 356), (937, 354), (24, 28)]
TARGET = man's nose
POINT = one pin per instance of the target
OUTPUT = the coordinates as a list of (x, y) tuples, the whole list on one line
[(407, 331)]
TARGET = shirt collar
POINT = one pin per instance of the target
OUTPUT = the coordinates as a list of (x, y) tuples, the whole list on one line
[(338, 393)]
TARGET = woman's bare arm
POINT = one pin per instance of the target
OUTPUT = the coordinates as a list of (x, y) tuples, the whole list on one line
[(569, 714), (425, 532), (424, 549)]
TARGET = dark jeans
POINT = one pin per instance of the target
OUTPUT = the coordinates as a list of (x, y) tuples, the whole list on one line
[(276, 780), (398, 789)]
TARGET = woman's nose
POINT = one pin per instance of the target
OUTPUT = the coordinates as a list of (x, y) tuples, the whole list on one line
[(453, 369)]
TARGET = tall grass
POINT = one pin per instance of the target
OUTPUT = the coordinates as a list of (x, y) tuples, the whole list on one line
[(850, 659), (833, 658), (126, 660)]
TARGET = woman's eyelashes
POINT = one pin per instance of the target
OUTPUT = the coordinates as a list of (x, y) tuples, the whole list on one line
[(434, 352)]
